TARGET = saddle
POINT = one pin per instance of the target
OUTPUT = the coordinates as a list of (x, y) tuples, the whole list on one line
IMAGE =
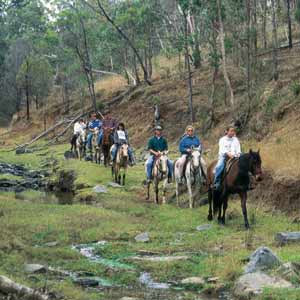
[(229, 163)]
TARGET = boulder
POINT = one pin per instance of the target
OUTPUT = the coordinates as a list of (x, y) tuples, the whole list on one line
[(142, 237), (193, 281), (87, 281), (35, 268), (115, 185), (262, 259), (252, 284), (288, 237), (290, 271), (99, 189), (204, 227)]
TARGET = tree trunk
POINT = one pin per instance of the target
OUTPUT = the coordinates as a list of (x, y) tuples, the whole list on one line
[(27, 91), (225, 74), (188, 65), (288, 4), (122, 33), (264, 23), (36, 103), (275, 74)]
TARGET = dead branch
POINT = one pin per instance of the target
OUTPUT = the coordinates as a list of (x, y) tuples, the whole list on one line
[(8, 286)]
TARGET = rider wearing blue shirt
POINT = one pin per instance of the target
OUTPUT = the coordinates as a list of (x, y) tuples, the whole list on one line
[(187, 142), (94, 124)]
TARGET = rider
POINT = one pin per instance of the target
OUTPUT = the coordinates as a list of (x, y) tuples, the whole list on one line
[(108, 122), (121, 137), (94, 124), (229, 147), (187, 142), (156, 145), (79, 127)]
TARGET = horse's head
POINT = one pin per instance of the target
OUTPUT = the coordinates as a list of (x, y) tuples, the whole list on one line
[(163, 162), (196, 156), (124, 150), (255, 165), (83, 135)]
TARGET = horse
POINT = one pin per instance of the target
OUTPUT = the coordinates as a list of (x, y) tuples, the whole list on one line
[(121, 162), (193, 174), (78, 144), (106, 145), (236, 181), (81, 144), (160, 173), (95, 147)]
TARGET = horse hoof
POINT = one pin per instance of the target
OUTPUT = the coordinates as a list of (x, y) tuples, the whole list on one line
[(247, 226)]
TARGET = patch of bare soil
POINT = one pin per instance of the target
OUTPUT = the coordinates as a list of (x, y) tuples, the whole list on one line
[(280, 192)]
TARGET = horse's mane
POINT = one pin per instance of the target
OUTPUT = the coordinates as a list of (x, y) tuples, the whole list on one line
[(244, 164)]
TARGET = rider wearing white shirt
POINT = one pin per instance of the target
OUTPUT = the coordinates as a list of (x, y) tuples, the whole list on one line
[(79, 127), (229, 147)]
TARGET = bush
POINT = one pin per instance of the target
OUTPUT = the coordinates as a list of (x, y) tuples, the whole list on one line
[(295, 88)]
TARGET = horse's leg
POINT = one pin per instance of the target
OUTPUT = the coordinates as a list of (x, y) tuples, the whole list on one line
[(244, 208), (156, 182), (210, 195), (225, 204), (189, 187), (177, 193), (164, 190)]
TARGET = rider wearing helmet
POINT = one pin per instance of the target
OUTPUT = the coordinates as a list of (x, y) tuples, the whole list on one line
[(121, 137)]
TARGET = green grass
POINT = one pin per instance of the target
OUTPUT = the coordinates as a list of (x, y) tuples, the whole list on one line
[(117, 217)]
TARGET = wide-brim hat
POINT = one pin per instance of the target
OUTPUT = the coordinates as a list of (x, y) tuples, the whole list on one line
[(158, 127)]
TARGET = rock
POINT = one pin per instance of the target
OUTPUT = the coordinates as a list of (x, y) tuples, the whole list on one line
[(288, 237), (69, 155), (51, 244), (100, 189), (128, 298), (145, 279), (204, 227), (35, 268), (252, 284), (212, 279), (115, 185), (290, 271), (23, 151), (262, 259), (87, 281), (193, 280), (142, 237)]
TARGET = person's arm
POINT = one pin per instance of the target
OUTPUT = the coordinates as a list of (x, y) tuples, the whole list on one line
[(127, 137), (150, 148), (237, 148), (222, 150), (116, 138)]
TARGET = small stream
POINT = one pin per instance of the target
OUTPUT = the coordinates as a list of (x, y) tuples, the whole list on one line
[(147, 288)]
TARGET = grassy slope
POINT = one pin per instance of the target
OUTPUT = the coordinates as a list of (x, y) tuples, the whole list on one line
[(117, 217)]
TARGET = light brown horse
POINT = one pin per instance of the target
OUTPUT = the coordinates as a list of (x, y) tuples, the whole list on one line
[(95, 150), (106, 145), (121, 162), (159, 173), (236, 181)]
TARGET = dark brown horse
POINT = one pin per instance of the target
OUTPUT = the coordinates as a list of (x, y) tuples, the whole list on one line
[(236, 181), (106, 145)]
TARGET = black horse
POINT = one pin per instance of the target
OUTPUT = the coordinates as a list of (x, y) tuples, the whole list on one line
[(236, 181)]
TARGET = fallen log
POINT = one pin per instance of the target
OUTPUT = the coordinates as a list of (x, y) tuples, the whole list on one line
[(121, 96), (7, 286)]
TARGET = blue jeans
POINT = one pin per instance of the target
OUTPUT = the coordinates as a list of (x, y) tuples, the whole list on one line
[(89, 140), (219, 169), (100, 136), (114, 151), (149, 166)]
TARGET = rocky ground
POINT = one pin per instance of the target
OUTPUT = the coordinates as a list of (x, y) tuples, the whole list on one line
[(108, 242)]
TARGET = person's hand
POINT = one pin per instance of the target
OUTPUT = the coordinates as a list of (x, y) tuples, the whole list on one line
[(157, 154), (229, 155), (188, 150)]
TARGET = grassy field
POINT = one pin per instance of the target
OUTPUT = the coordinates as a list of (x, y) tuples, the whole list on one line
[(27, 224)]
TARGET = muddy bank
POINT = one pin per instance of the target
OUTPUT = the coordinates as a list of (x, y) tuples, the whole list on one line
[(279, 192)]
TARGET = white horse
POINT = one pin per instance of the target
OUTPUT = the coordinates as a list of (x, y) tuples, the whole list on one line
[(193, 174), (81, 144), (159, 173), (95, 147)]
